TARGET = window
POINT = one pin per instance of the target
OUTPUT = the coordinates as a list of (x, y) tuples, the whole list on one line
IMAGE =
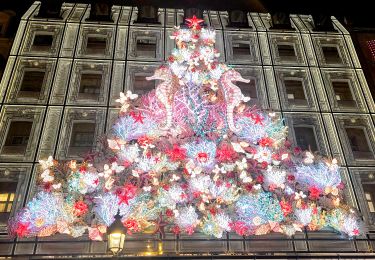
[(82, 138), (96, 45), (305, 138), (17, 137), (7, 195), (369, 190), (343, 93), (286, 52), (42, 42), (249, 90), (238, 18), (241, 49), (146, 47), (90, 86), (190, 12), (147, 14), (141, 86), (331, 55), (295, 92), (100, 12), (358, 142), (281, 20), (31, 84)]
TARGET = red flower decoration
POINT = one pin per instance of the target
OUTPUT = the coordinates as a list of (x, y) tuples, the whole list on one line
[(176, 153), (171, 59), (202, 157), (213, 211), (80, 208), (131, 225), (239, 227), (82, 168), (264, 165), (190, 230), (22, 229), (291, 177), (297, 150), (286, 207), (176, 230), (225, 153), (314, 193), (197, 194), (47, 186), (249, 187), (260, 179), (169, 213), (144, 141), (266, 141)]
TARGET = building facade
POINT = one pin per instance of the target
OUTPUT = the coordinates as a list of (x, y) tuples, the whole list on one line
[(64, 73)]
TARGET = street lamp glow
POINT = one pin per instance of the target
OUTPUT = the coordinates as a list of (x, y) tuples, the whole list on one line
[(116, 235)]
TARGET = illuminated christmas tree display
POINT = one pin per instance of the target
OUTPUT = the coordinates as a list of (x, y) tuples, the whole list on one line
[(191, 156)]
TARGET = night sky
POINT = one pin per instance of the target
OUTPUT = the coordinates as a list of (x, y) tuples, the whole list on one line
[(359, 10)]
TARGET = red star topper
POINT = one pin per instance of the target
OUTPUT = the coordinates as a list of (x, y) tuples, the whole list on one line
[(194, 22)]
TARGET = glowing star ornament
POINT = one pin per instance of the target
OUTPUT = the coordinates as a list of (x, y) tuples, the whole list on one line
[(194, 22)]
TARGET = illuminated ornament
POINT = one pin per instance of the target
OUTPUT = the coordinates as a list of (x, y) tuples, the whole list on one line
[(194, 22), (164, 91), (127, 193), (80, 208), (233, 94), (176, 153), (22, 229), (187, 219)]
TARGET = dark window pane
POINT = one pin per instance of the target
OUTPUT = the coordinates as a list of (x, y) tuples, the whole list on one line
[(369, 192), (147, 14), (358, 143), (82, 138), (237, 17), (42, 42), (249, 90), (7, 195), (31, 84), (141, 85), (96, 45), (146, 47), (295, 92), (286, 52), (241, 50), (305, 138), (343, 94), (17, 137), (90, 86), (331, 55)]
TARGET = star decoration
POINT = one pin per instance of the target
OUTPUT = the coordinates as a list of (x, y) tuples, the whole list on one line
[(137, 118), (160, 225), (194, 22)]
